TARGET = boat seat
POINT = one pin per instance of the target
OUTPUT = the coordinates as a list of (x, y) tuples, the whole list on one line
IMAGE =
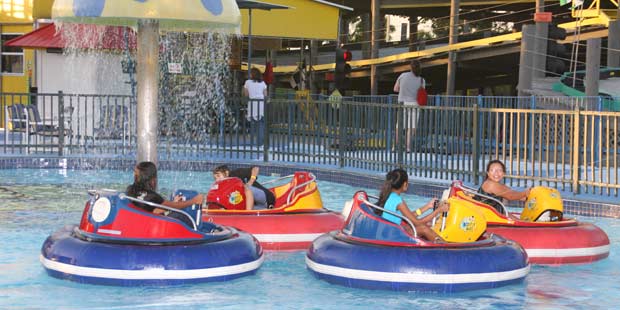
[(364, 223), (464, 196), (194, 210)]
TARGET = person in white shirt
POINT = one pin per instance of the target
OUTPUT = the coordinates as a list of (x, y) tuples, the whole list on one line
[(256, 90), (407, 86)]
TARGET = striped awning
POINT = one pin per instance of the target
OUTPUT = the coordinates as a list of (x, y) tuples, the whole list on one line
[(111, 38)]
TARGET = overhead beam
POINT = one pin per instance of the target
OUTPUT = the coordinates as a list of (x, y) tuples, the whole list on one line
[(404, 4), (474, 45)]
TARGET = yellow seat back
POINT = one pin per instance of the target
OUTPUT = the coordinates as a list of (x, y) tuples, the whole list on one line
[(490, 214), (464, 222), (310, 198), (543, 204)]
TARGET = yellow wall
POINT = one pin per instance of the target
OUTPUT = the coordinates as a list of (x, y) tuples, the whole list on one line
[(18, 82), (42, 8), (15, 11), (16, 17), (306, 19)]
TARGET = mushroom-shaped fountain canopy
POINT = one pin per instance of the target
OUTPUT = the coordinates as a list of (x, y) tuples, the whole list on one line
[(172, 15)]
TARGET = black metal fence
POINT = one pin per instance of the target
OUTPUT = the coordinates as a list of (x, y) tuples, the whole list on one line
[(565, 143)]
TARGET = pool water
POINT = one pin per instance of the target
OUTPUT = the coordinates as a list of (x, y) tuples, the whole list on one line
[(36, 202)]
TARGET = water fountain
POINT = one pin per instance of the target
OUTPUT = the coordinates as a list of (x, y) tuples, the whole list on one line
[(150, 17)]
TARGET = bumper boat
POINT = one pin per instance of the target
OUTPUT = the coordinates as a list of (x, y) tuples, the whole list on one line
[(297, 218), (118, 243), (372, 253), (540, 228)]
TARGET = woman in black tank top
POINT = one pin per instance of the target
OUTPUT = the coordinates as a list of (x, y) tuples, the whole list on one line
[(493, 187)]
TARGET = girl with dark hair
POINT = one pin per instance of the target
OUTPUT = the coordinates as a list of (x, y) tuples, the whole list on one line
[(493, 187), (144, 187), (396, 183)]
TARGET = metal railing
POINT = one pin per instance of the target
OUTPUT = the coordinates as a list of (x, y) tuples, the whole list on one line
[(74, 124), (567, 143)]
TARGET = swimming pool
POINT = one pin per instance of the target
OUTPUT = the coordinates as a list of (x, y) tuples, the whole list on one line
[(36, 202)]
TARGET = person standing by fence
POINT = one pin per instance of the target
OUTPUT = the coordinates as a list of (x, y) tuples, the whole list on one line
[(256, 90), (407, 86)]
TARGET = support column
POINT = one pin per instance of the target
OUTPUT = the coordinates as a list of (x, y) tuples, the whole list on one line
[(613, 44), (593, 62), (414, 45), (249, 42), (453, 39), (303, 78), (343, 31), (526, 59), (1, 45), (273, 55), (375, 6), (366, 39), (148, 87), (540, 45), (314, 52)]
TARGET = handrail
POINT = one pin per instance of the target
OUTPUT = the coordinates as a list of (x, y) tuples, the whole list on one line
[(402, 217), (475, 192), (291, 192), (94, 192), (278, 179)]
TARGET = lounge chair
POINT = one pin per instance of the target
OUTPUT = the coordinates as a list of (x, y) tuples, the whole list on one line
[(113, 123), (36, 124), (17, 119)]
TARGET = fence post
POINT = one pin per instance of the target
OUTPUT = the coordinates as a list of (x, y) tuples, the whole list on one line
[(5, 110), (389, 124), (400, 132), (597, 127), (266, 130), (531, 144), (575, 150), (61, 123), (475, 145), (342, 132)]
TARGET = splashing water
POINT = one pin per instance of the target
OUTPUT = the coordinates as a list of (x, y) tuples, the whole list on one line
[(194, 75), (193, 100), (92, 59)]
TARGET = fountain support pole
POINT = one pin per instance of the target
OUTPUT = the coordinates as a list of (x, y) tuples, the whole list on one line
[(148, 89)]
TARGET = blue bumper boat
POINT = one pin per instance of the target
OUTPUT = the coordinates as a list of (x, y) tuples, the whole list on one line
[(372, 253), (118, 243)]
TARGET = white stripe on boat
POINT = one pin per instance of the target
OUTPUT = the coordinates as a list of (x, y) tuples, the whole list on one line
[(287, 237), (418, 277), (574, 252), (151, 273), (109, 231)]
